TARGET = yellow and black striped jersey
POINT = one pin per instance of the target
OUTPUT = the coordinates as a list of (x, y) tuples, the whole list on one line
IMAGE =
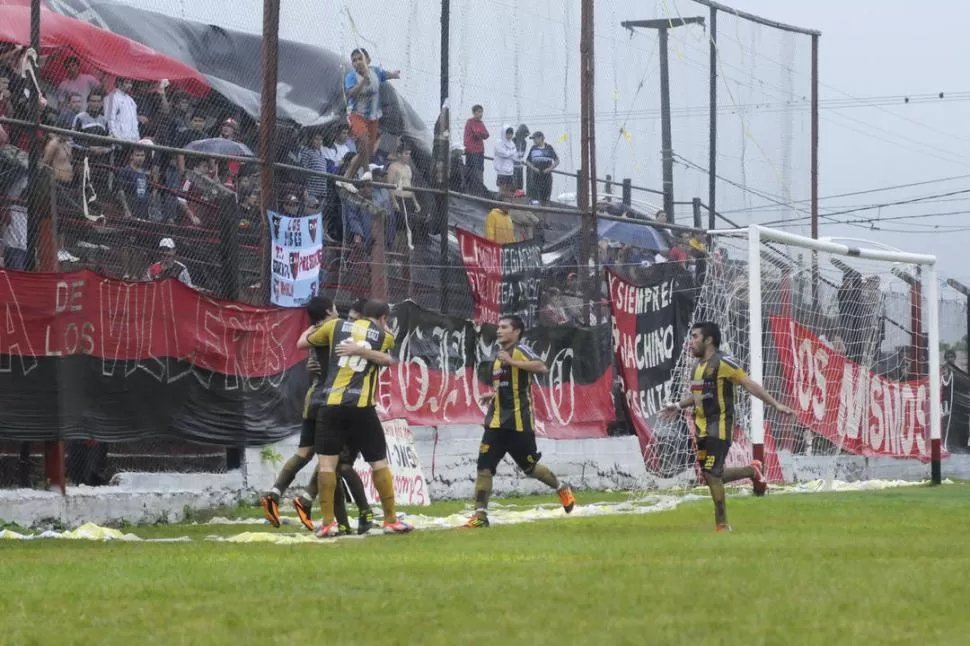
[(511, 407), (350, 381), (713, 387)]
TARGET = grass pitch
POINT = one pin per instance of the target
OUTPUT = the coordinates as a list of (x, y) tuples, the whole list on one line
[(886, 567)]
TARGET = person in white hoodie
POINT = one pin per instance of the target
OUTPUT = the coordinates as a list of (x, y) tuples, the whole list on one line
[(122, 112), (505, 156)]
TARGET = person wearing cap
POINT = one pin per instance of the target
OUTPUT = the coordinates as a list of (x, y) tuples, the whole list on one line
[(168, 266), (541, 160), (505, 155)]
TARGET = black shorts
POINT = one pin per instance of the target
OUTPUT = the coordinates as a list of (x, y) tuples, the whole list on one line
[(504, 180), (348, 455), (712, 454), (343, 427), (496, 442), (308, 433)]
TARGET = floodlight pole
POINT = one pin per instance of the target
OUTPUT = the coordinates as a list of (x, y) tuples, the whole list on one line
[(662, 25)]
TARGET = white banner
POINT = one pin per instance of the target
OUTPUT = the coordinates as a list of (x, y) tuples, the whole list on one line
[(410, 487), (297, 249)]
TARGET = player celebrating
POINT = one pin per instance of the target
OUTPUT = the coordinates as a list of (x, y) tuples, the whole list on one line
[(349, 416), (510, 420), (713, 398), (319, 309), (345, 470)]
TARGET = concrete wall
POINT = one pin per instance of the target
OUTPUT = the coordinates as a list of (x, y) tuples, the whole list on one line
[(448, 460)]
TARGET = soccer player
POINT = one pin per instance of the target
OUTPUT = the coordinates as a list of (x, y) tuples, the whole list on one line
[(358, 350), (319, 309), (510, 420), (345, 468), (712, 396)]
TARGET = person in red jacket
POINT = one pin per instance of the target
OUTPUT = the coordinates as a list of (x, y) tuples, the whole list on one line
[(475, 135)]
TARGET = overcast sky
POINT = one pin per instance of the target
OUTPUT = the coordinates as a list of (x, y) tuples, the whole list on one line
[(520, 59)]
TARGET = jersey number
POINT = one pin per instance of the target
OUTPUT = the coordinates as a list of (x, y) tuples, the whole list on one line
[(355, 363)]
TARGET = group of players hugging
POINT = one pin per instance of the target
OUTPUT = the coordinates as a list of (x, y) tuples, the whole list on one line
[(340, 419)]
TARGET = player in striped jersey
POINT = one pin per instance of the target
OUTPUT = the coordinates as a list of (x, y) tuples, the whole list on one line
[(712, 397), (358, 350), (510, 420), (320, 310)]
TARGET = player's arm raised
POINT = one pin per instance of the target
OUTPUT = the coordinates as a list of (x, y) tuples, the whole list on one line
[(759, 391)]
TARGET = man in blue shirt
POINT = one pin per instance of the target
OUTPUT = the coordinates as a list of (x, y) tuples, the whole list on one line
[(363, 88)]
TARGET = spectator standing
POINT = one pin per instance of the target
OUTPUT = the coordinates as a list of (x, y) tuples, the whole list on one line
[(475, 135), (400, 174), (521, 140), (314, 158), (15, 237), (359, 213), (168, 266), (122, 112), (499, 227), (69, 111), (340, 147), (133, 194), (524, 222), (506, 154), (541, 160), (363, 89), (75, 83)]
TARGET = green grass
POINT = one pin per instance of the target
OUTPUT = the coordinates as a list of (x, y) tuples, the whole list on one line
[(885, 567)]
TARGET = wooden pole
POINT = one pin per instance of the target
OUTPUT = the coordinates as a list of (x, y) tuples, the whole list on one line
[(267, 136)]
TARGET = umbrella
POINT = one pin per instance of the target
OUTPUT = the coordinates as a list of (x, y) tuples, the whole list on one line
[(220, 146), (634, 233)]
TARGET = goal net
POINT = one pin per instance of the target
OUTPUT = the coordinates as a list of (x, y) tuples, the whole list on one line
[(847, 337)]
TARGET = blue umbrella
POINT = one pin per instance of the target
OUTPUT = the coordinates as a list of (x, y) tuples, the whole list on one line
[(220, 146), (636, 233)]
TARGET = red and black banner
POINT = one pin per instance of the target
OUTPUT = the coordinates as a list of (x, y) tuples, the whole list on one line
[(437, 382), (505, 279), (83, 356), (650, 323), (856, 409), (90, 357)]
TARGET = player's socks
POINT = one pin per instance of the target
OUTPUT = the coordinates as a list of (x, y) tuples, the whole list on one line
[(716, 485), (737, 473), (542, 473), (483, 491), (313, 487), (327, 481), (356, 486), (340, 511), (384, 483), (289, 471)]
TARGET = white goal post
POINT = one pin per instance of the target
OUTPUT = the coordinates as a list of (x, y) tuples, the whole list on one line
[(761, 240)]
